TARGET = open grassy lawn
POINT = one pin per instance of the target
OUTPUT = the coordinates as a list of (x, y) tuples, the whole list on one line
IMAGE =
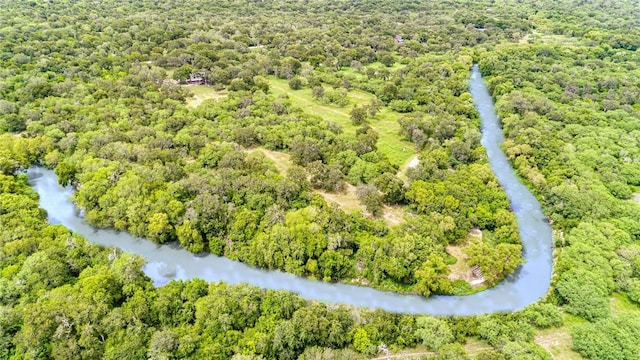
[(202, 93), (385, 123)]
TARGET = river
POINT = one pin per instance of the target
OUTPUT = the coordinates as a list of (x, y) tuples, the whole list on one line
[(526, 285)]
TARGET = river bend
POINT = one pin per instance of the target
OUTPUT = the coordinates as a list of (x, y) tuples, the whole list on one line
[(526, 285)]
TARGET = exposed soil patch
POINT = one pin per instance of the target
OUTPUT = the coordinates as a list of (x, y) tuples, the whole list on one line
[(348, 201), (412, 163), (393, 215), (461, 269)]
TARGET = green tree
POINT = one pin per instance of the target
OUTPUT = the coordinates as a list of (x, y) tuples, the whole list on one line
[(358, 115), (295, 83), (183, 73), (361, 340), (371, 198), (433, 332), (432, 276)]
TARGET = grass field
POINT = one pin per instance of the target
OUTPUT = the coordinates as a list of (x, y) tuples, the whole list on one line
[(202, 93), (385, 123)]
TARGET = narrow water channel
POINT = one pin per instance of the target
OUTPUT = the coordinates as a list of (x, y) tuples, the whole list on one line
[(165, 262)]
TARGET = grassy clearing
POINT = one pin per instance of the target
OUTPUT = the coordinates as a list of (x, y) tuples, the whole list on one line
[(378, 65), (475, 346), (351, 72), (348, 200), (201, 93), (558, 343), (281, 160), (620, 304), (394, 215), (385, 123), (460, 270)]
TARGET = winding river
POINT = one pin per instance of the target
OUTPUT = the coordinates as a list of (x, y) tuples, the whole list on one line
[(165, 262)]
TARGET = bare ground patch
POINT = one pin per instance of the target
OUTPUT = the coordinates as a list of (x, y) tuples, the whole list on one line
[(412, 162), (393, 215), (348, 200), (461, 270)]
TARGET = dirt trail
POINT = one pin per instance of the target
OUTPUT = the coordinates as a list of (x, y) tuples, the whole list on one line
[(412, 162)]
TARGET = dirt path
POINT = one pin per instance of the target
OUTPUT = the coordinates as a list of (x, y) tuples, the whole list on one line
[(412, 162)]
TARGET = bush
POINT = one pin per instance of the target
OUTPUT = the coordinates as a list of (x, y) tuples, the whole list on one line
[(402, 106), (295, 83)]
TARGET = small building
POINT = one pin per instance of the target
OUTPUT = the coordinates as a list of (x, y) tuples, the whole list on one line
[(196, 79)]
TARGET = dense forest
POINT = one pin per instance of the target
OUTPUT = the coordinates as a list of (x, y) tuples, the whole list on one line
[(334, 140)]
